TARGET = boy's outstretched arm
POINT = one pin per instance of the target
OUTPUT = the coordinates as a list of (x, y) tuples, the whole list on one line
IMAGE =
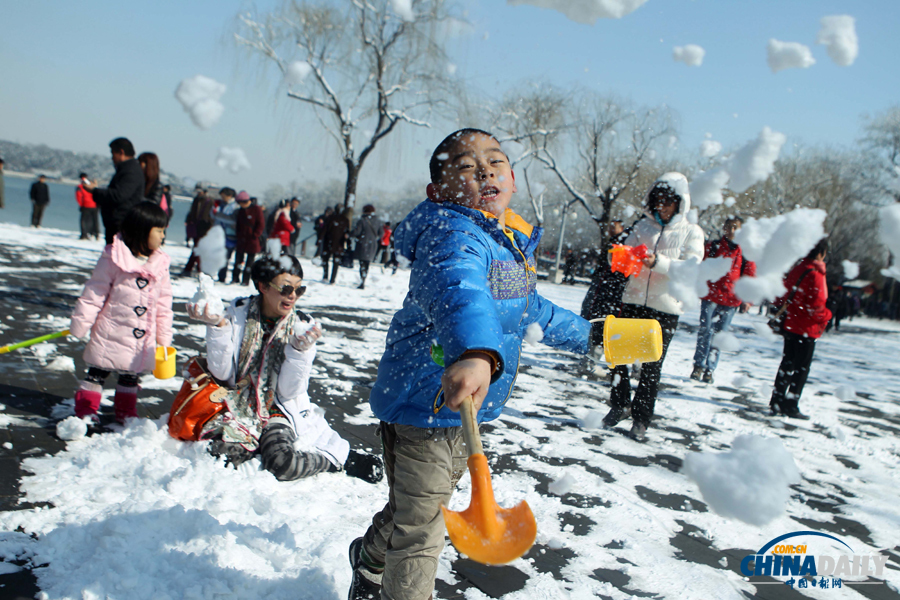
[(469, 376)]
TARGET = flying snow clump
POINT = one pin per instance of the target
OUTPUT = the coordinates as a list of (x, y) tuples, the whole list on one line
[(788, 55), (688, 279), (296, 72), (889, 230), (851, 269), (750, 483), (199, 96), (838, 35), (691, 55), (404, 10), (232, 159), (534, 334), (755, 161), (586, 11), (710, 148), (706, 188), (211, 251)]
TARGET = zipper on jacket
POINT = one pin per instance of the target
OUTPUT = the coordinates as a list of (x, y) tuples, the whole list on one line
[(650, 271)]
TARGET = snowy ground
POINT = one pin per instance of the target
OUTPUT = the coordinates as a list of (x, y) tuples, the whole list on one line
[(135, 514)]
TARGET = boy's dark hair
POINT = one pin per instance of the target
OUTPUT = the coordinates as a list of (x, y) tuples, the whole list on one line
[(436, 164), (137, 224), (267, 268), (122, 145), (82, 176), (733, 219), (228, 192), (1, 160), (820, 248)]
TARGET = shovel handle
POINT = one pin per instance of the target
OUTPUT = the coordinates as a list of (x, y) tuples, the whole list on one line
[(470, 426)]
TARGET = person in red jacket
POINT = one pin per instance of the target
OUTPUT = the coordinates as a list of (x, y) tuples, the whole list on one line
[(805, 320), (90, 217), (249, 225), (718, 307), (282, 228)]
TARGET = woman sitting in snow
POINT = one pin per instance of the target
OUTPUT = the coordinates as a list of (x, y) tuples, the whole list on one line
[(263, 350)]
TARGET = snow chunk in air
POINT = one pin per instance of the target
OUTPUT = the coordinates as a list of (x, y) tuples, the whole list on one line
[(296, 72), (232, 159), (889, 230), (851, 269), (404, 9), (750, 483), (755, 161), (534, 334), (838, 35), (199, 96), (211, 251), (710, 148), (586, 11), (788, 55), (691, 55)]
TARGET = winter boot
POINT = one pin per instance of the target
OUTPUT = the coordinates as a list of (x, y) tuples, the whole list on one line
[(638, 432), (125, 403), (615, 415), (87, 399), (366, 582), (697, 373), (707, 376)]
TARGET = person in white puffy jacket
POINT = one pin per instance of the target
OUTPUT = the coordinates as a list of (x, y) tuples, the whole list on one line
[(670, 238), (262, 349)]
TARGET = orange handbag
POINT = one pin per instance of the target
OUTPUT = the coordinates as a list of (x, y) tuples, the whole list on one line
[(200, 399)]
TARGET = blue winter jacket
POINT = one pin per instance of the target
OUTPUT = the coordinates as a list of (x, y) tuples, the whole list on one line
[(471, 288)]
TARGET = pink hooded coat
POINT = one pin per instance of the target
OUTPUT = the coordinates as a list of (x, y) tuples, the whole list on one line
[(127, 307)]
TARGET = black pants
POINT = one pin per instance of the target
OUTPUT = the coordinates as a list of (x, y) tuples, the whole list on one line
[(336, 260), (37, 213), (236, 276), (223, 272), (90, 223), (98, 376), (363, 269), (645, 397), (792, 374)]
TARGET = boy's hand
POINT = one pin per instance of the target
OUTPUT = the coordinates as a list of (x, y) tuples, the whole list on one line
[(469, 376)]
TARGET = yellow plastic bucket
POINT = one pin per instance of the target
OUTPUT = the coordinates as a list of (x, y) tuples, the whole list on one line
[(626, 341), (165, 362)]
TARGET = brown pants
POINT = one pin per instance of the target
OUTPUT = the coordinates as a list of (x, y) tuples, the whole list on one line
[(423, 467)]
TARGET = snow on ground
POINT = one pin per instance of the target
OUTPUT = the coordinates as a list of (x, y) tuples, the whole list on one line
[(134, 514)]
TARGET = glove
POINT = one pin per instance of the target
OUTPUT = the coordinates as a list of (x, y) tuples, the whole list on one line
[(304, 340), (367, 467), (203, 315)]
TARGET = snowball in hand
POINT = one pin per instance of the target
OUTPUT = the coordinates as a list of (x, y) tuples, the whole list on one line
[(206, 296), (750, 483), (211, 251)]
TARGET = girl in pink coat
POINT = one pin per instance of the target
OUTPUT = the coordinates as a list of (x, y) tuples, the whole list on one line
[(127, 308)]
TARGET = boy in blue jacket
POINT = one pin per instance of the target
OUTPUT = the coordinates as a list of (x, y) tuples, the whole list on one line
[(471, 298)]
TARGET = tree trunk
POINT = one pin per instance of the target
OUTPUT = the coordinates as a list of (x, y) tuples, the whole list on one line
[(350, 187)]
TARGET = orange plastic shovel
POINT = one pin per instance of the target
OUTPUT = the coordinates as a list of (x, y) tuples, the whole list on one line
[(485, 532)]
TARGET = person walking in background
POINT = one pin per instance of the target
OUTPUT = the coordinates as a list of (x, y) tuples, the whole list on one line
[(153, 189), (805, 320), (336, 228), (249, 224), (321, 220), (718, 307), (281, 226), (367, 235), (297, 223), (672, 239), (90, 218), (125, 189), (126, 306), (196, 224), (225, 218), (40, 198), (2, 186), (384, 244), (604, 297), (166, 202)]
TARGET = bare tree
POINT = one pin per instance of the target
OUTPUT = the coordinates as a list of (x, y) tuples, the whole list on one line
[(360, 66), (882, 140)]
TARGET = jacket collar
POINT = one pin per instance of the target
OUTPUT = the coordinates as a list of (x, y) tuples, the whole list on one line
[(125, 260), (526, 236)]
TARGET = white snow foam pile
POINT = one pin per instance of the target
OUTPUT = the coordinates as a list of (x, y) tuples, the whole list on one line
[(211, 250), (586, 11), (750, 483), (199, 96), (775, 244), (232, 159), (838, 34), (562, 486), (788, 55), (206, 296), (691, 55), (889, 231), (71, 428)]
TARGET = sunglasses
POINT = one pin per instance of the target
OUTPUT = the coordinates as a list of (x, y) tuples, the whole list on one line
[(287, 290)]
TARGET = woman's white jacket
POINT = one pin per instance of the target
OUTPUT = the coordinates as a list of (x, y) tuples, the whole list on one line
[(673, 243), (223, 346)]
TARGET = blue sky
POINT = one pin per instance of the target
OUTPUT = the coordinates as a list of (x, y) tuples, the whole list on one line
[(75, 75)]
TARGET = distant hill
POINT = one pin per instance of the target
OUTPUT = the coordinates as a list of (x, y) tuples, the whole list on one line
[(38, 158)]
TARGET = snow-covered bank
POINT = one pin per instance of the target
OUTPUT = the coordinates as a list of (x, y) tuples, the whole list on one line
[(137, 515)]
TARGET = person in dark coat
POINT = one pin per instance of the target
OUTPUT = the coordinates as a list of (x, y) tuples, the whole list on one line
[(40, 198), (805, 321), (320, 222), (249, 224), (125, 189), (153, 188), (336, 232), (197, 223), (604, 297), (367, 234), (296, 223)]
